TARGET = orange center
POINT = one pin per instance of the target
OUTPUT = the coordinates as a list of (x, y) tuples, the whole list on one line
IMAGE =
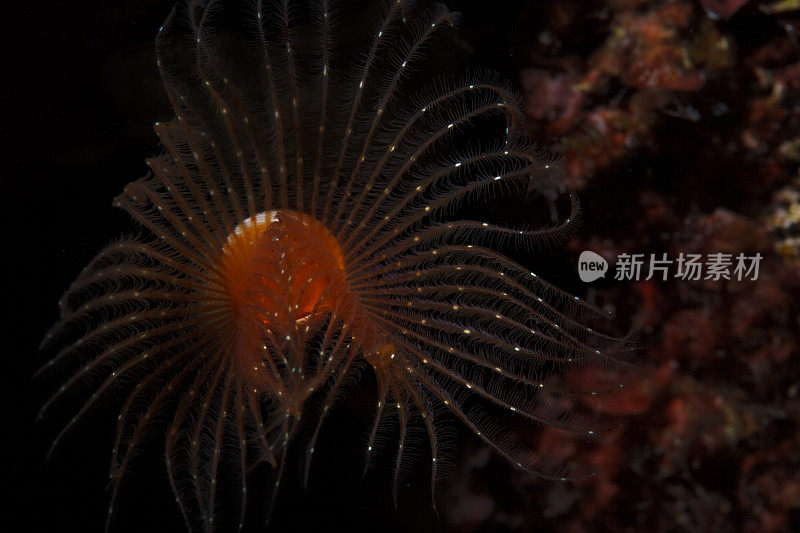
[(282, 266), (281, 270)]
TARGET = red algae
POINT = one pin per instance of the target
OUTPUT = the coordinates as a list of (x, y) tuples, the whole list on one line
[(655, 55), (687, 123)]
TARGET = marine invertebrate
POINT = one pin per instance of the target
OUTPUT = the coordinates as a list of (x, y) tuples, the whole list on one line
[(297, 231)]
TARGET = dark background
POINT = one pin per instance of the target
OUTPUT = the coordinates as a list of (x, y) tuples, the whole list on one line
[(79, 109)]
